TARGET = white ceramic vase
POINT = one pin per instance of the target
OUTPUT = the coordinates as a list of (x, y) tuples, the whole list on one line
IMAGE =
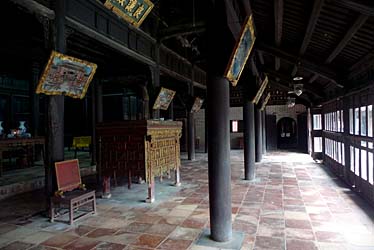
[(22, 127)]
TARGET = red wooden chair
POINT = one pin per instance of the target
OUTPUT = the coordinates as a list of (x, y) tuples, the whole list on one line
[(71, 193)]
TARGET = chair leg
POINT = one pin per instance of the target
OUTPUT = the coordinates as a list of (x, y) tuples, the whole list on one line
[(94, 204), (71, 214), (52, 211)]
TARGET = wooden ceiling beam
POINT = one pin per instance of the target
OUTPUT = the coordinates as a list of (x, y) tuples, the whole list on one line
[(232, 19), (254, 68), (348, 36), (363, 7), (260, 57), (277, 63), (247, 7), (316, 92), (282, 86), (313, 78), (292, 59), (278, 28), (311, 25), (278, 19), (182, 30), (362, 65)]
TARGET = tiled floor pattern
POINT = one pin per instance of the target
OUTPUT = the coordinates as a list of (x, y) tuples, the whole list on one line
[(293, 204)]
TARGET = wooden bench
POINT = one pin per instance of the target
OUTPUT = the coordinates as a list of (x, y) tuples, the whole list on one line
[(71, 193)]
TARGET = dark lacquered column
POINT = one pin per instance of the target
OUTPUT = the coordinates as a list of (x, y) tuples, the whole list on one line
[(206, 131), (219, 159), (249, 140), (191, 136), (263, 131), (93, 122), (218, 105), (156, 77), (55, 108), (191, 124), (35, 115), (258, 137)]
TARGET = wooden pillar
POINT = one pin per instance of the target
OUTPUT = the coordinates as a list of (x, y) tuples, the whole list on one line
[(249, 140), (263, 113), (218, 105), (104, 180), (35, 114), (191, 123), (93, 123), (258, 137), (206, 131), (347, 141), (55, 109), (171, 110), (156, 77), (145, 103)]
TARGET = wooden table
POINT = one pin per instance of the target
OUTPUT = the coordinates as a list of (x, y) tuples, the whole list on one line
[(14, 143)]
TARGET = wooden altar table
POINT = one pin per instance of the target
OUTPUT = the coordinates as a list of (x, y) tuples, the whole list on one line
[(21, 143)]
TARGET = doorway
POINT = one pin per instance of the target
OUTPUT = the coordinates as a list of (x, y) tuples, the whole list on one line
[(287, 133)]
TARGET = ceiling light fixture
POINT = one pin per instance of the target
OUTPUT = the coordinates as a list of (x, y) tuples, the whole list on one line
[(300, 72)]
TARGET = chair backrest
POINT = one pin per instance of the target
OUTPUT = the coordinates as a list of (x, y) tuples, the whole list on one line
[(68, 175)]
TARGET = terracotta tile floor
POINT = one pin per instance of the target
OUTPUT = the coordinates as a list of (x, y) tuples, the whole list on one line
[(294, 204)]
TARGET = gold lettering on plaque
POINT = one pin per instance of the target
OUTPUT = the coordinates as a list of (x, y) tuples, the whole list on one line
[(130, 7), (139, 11), (121, 2)]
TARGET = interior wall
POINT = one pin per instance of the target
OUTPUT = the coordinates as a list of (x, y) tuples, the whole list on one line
[(200, 130), (281, 111), (236, 113)]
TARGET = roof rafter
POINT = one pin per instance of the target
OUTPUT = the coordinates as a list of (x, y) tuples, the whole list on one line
[(292, 59), (286, 79), (359, 6), (362, 65), (278, 27), (311, 25), (348, 36), (232, 19)]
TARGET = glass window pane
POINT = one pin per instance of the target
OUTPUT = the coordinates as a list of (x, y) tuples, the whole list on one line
[(341, 121), (363, 121), (357, 121), (363, 144), (339, 152), (370, 120), (370, 145), (338, 120), (317, 144), (352, 157), (234, 126), (357, 161), (351, 121), (363, 165), (371, 168), (343, 154), (317, 122)]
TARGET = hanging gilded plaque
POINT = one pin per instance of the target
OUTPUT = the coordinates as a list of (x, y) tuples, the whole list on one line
[(66, 75), (241, 51), (261, 90), (164, 99), (133, 11)]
